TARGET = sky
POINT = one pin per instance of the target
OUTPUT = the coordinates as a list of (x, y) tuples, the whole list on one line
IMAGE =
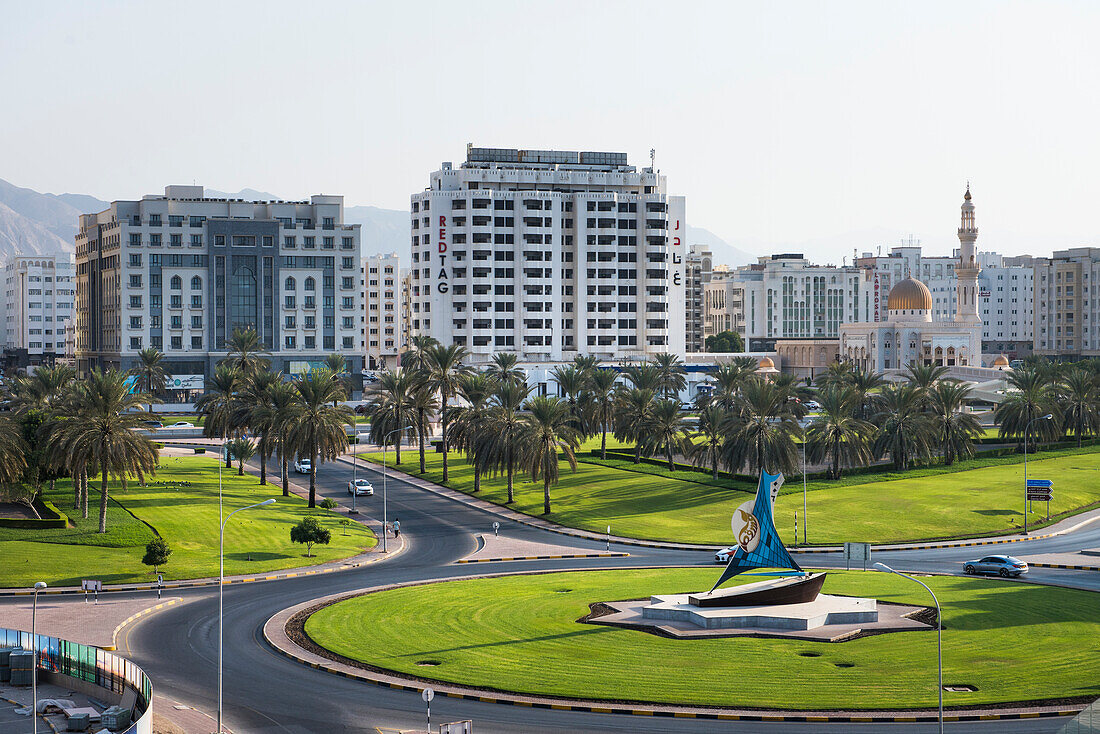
[(797, 126)]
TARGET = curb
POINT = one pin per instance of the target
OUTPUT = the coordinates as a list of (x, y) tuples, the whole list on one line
[(543, 558), (133, 618), (598, 707), (1061, 565)]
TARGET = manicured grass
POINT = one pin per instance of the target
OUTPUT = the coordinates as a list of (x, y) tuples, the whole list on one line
[(1014, 642), (926, 503), (187, 517)]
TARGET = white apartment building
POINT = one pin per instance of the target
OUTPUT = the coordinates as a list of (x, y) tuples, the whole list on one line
[(1005, 292), (382, 336), (785, 296), (1067, 304), (179, 272), (697, 274), (549, 254), (37, 308), (723, 303)]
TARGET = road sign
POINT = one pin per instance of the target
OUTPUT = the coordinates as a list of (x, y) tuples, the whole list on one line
[(1041, 495), (859, 552), (1039, 483), (427, 694), (496, 528), (457, 727)]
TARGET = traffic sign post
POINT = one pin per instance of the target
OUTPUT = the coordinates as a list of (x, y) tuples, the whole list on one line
[(1040, 490), (496, 528), (428, 694)]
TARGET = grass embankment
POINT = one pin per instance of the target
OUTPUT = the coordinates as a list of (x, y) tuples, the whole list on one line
[(181, 502), (519, 633), (982, 497)]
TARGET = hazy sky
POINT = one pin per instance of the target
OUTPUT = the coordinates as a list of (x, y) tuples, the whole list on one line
[(828, 126)]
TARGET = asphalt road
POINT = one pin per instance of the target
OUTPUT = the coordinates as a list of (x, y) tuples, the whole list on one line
[(265, 692)]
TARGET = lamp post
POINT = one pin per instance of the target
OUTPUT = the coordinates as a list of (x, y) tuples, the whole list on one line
[(1027, 432), (804, 541), (354, 467), (385, 516), (221, 596), (38, 586), (939, 631)]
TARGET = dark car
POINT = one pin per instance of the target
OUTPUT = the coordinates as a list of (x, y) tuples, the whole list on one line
[(1001, 565)]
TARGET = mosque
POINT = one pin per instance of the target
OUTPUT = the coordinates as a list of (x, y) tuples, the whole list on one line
[(909, 335)]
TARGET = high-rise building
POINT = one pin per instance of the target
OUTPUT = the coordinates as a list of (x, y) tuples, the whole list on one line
[(180, 272), (549, 254), (37, 307), (1067, 304), (697, 273), (382, 337), (723, 303)]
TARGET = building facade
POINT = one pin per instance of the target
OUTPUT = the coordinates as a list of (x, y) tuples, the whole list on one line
[(383, 338), (38, 308), (180, 272), (697, 274), (549, 254), (1067, 309)]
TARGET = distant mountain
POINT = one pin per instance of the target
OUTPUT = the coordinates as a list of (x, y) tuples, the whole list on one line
[(724, 252), (246, 194), (383, 231)]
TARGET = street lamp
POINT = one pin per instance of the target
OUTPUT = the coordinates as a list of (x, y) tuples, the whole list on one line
[(221, 596), (1027, 432), (38, 586), (354, 489), (803, 492), (939, 630), (385, 516)]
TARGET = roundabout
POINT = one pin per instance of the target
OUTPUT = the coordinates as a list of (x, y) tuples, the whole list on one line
[(1005, 645)]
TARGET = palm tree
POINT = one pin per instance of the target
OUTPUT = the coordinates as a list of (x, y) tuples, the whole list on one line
[(338, 366), (761, 430), (246, 351), (272, 423), (796, 392), (13, 451), (586, 363), (955, 429), (150, 373), (1030, 395), (391, 406), (503, 368), (253, 409), (599, 401), (423, 401), (218, 405), (865, 384), (643, 377), (471, 419), (104, 433), (1079, 396), (728, 378), (667, 431), (571, 381), (498, 445), (672, 377), (706, 449), (836, 435), (633, 416), (416, 353), (41, 391), (445, 369), (241, 449), (836, 374), (547, 429), (904, 431), (923, 376), (317, 428)]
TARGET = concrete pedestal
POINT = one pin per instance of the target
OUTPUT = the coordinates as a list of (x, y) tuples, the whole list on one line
[(825, 610)]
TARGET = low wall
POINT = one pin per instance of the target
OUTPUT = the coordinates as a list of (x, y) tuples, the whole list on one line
[(51, 518), (106, 676)]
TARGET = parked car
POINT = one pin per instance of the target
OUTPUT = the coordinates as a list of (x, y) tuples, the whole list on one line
[(361, 409), (182, 424), (360, 488), (812, 405), (1000, 565), (723, 556), (152, 424), (302, 466)]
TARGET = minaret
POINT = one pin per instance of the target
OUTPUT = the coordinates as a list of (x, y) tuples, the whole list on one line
[(966, 271)]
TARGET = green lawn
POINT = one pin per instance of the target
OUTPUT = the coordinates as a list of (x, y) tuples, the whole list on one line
[(186, 516), (924, 504), (1011, 641)]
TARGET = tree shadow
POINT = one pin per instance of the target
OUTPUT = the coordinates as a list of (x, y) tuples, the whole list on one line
[(505, 643), (258, 556)]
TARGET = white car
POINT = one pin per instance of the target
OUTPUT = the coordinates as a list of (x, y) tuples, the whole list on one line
[(182, 424), (723, 556), (302, 466), (360, 487), (812, 405)]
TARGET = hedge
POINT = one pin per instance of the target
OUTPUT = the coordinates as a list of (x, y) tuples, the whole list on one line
[(51, 518)]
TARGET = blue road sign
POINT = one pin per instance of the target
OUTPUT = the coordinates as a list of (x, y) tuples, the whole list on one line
[(1040, 483)]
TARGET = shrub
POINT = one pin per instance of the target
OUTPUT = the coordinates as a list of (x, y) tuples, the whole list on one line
[(328, 503)]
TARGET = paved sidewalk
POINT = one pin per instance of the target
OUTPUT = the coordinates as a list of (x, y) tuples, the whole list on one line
[(70, 618), (1073, 561), (504, 548)]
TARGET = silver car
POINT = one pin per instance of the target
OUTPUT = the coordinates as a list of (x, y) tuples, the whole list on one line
[(1000, 565)]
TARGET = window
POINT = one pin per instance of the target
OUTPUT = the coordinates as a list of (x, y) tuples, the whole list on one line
[(135, 342), (135, 260), (329, 222), (347, 263), (196, 342), (135, 281), (289, 302), (310, 302), (176, 283), (175, 301), (310, 284), (289, 323), (135, 239), (329, 342), (289, 284), (154, 280), (196, 301), (175, 221), (177, 342), (268, 241), (310, 243), (196, 283), (135, 301), (156, 342), (219, 240), (175, 240), (244, 296), (310, 342), (291, 342), (196, 322), (347, 322), (135, 322), (154, 220), (244, 240), (347, 243), (328, 243), (196, 240)]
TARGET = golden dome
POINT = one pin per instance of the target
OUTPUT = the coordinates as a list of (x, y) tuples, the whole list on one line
[(909, 295), (767, 364), (1001, 361)]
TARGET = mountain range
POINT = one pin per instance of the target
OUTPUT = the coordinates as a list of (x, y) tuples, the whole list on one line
[(37, 223)]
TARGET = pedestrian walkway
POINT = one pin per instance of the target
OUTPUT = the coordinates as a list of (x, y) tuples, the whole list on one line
[(504, 548), (1081, 561)]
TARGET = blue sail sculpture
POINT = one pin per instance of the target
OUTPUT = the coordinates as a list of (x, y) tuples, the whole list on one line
[(758, 543)]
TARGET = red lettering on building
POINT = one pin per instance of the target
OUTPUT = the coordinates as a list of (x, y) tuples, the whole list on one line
[(442, 233)]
